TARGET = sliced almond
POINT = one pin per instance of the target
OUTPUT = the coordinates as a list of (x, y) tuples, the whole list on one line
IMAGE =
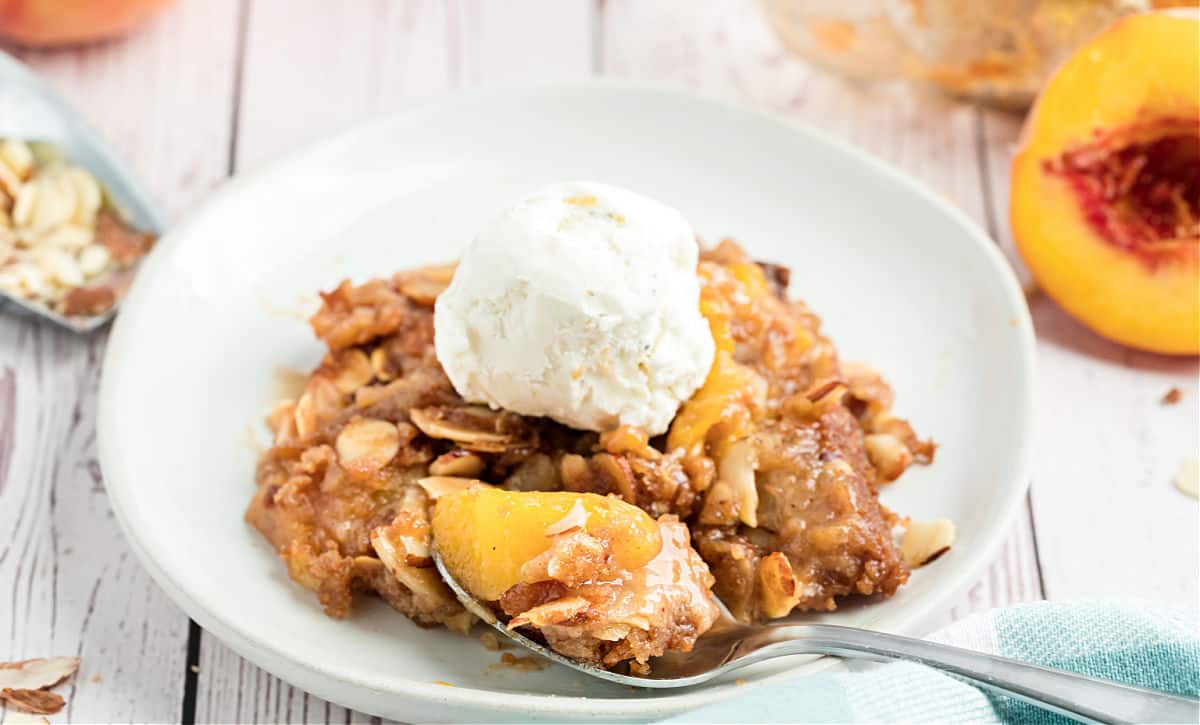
[(367, 444), (38, 702), (382, 365), (404, 542), (36, 674), (736, 469), (282, 420), (614, 474), (472, 427), (888, 454), (826, 392), (28, 280), (426, 584), (432, 593), (457, 463), (93, 259), (720, 506), (575, 519), (17, 158), (88, 196), (59, 265), (925, 541), (69, 236), (24, 199), (369, 395), (320, 401), (304, 416), (777, 585), (10, 187), (17, 717), (437, 486), (352, 370), (555, 612), (1186, 478), (425, 284), (54, 201)]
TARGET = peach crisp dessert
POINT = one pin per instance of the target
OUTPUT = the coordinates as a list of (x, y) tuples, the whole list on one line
[(600, 428)]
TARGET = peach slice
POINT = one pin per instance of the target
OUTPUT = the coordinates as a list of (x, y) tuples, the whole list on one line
[(1105, 204), (732, 394), (485, 534)]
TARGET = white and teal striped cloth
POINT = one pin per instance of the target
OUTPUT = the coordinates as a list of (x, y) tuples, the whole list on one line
[(1141, 645)]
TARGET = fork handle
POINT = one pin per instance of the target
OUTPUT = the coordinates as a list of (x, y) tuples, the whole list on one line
[(1083, 698)]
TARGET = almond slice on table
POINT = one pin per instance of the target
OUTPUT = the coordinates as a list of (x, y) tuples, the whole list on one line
[(22, 684), (19, 717), (1187, 477), (38, 702), (36, 674)]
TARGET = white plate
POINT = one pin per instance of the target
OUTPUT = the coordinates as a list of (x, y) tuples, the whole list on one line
[(902, 279)]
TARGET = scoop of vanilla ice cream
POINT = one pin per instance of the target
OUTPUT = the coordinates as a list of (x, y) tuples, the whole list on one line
[(579, 303)]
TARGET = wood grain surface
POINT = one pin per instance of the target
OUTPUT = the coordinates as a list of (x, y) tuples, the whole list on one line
[(213, 87)]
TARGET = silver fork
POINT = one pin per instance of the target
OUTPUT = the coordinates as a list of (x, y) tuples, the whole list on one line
[(730, 645)]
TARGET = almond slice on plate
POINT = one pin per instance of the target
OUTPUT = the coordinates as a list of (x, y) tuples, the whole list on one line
[(437, 486), (366, 445), (925, 541)]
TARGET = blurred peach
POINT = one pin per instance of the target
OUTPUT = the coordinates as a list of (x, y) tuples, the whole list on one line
[(47, 23)]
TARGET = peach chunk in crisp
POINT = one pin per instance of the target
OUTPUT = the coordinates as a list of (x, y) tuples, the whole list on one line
[(597, 578)]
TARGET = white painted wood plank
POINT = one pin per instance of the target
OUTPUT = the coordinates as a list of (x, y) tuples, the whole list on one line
[(523, 41), (313, 67), (162, 96), (71, 584), (725, 49), (1109, 521), (999, 134)]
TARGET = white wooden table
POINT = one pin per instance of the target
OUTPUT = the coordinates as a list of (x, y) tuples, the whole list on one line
[(213, 87)]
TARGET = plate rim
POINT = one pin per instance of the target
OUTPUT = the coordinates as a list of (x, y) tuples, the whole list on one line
[(309, 674)]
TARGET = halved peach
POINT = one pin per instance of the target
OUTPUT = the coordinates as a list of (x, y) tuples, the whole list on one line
[(485, 534), (1105, 203)]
